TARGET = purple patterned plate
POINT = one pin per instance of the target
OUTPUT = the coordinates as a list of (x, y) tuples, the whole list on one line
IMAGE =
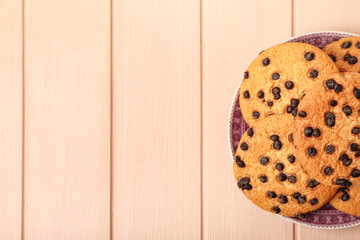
[(327, 216)]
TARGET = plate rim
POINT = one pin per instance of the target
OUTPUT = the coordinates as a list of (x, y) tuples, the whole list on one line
[(230, 123)]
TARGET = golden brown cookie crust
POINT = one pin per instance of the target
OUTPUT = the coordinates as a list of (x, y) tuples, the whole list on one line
[(346, 53), (348, 200), (296, 68), (335, 114), (256, 144)]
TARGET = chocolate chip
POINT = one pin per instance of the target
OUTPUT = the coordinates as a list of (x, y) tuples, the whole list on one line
[(291, 158), (276, 90), (346, 44), (246, 75), (250, 132), (347, 110), (353, 60), (292, 179), (291, 136), (301, 199), (247, 187), (294, 102), (330, 119), (276, 210), (345, 197), (330, 149), (274, 137), (309, 56), (358, 45), (332, 57), (311, 151), (271, 194), (347, 57), (277, 145), (294, 112), (313, 73), (279, 166), (244, 146), (270, 103), (355, 173), (277, 96), (356, 92), (357, 153), (302, 114), (338, 88), (282, 177), (289, 109), (343, 182), (283, 199), (345, 159), (355, 130), (333, 103), (261, 94), (239, 162), (246, 94), (328, 171), (354, 147), (316, 132), (296, 195), (302, 215), (314, 201), (266, 61), (244, 184), (275, 76), (330, 83), (343, 190), (256, 114), (308, 131), (313, 183), (264, 160), (263, 179), (289, 85)]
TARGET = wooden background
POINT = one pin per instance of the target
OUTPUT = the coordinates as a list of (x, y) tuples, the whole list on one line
[(113, 115)]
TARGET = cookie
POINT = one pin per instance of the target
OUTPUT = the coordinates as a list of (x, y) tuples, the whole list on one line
[(345, 53), (328, 126), (268, 171), (277, 79), (348, 200)]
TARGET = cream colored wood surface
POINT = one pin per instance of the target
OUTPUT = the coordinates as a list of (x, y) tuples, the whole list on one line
[(10, 119), (67, 119), (234, 32), (312, 16), (156, 120), (125, 115)]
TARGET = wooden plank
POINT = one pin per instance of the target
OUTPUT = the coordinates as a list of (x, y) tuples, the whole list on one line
[(67, 119), (234, 32), (10, 119), (310, 16), (156, 119)]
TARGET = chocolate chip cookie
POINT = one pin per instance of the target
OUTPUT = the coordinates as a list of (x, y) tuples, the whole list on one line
[(267, 169), (348, 200), (327, 130), (345, 53), (278, 78)]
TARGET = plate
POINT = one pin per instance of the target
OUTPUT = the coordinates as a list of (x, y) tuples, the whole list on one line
[(326, 217)]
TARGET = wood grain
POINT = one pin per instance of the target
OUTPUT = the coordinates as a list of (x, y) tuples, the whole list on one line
[(312, 16), (67, 119), (156, 119), (234, 32), (10, 119)]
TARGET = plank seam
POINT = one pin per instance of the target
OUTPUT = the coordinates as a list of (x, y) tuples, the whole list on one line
[(111, 120), (201, 124), (23, 124)]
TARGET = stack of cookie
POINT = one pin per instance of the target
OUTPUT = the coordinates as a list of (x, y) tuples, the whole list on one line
[(302, 148)]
